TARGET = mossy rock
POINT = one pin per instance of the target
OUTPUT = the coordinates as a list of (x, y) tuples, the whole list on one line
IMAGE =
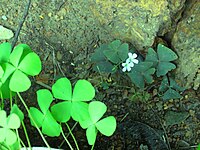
[(137, 22), (186, 43)]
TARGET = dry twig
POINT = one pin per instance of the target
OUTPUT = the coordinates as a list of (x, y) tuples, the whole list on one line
[(21, 24)]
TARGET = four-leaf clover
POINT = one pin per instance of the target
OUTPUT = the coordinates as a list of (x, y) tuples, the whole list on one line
[(73, 101)]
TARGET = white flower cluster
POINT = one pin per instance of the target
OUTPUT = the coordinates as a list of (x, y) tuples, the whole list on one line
[(130, 62)]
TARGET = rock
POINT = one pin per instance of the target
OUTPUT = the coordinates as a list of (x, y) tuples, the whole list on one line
[(59, 56), (175, 6), (4, 18), (73, 24), (142, 133), (5, 34), (82, 24), (137, 22), (186, 43)]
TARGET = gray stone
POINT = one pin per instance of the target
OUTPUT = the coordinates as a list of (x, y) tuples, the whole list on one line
[(187, 45), (137, 22), (4, 17), (5, 33)]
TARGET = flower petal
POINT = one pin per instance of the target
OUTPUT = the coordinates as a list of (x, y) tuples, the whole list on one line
[(128, 68), (128, 60), (124, 69), (134, 55), (135, 61), (130, 55), (131, 64), (124, 64)]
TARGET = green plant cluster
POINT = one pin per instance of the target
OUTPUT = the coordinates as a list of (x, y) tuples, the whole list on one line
[(72, 105), (55, 107), (15, 68), (108, 58)]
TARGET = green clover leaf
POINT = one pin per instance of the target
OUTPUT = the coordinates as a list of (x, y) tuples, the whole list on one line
[(107, 125), (5, 50), (161, 59), (7, 135), (62, 111), (1, 72), (8, 69), (170, 89), (83, 91), (116, 51), (15, 109), (19, 81), (101, 64), (142, 72), (107, 54), (44, 117), (91, 134), (96, 110), (62, 89)]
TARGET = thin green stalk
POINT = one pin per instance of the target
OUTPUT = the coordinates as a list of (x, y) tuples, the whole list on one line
[(15, 99), (23, 145), (26, 135), (66, 139), (68, 134), (93, 146), (2, 101), (10, 100), (72, 136), (19, 140), (17, 135), (43, 138)]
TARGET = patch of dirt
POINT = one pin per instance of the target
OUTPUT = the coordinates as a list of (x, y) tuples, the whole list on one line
[(123, 100)]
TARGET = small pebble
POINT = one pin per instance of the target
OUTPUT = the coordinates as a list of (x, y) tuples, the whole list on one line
[(5, 33), (50, 14), (192, 112), (61, 17), (155, 92), (59, 55), (4, 17)]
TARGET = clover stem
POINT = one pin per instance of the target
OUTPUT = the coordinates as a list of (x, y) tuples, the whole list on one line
[(10, 100), (66, 139), (26, 135), (93, 146), (72, 136), (68, 134), (18, 138), (2, 101), (26, 107), (23, 145)]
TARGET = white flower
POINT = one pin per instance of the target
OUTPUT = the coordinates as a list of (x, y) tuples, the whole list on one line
[(132, 58), (127, 66), (130, 62)]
